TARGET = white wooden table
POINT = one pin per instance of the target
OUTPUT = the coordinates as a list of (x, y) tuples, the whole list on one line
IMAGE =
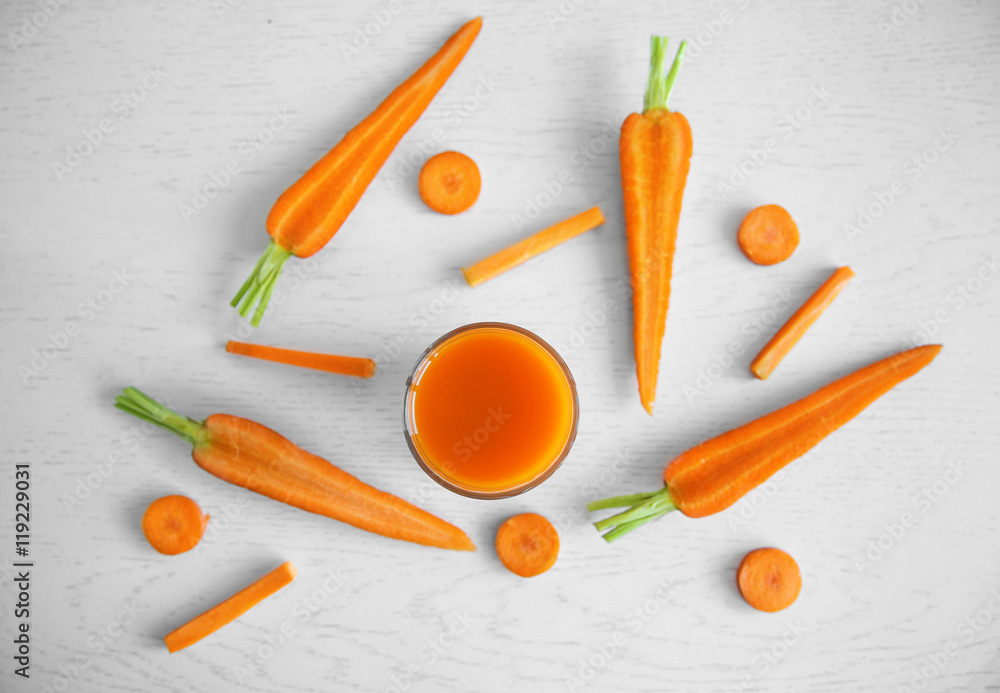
[(109, 281)]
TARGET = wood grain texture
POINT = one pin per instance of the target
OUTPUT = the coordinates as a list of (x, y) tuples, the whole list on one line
[(828, 101)]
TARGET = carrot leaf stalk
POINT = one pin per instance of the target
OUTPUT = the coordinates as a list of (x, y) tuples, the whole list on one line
[(257, 289), (645, 507), (144, 407), (712, 476), (247, 454), (660, 86)]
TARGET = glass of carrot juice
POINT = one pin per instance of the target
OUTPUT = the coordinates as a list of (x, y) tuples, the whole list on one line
[(490, 410)]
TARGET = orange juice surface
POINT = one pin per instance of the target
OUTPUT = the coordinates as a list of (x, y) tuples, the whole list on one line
[(491, 409)]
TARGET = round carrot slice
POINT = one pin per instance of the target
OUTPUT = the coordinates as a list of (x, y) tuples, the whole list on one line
[(769, 579), (449, 182), (768, 235), (174, 524), (527, 544)]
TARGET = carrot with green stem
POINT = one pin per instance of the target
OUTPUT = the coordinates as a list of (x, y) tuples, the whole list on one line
[(711, 476), (654, 153), (247, 454), (309, 213)]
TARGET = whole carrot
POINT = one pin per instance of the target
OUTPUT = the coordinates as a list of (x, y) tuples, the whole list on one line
[(711, 476), (255, 457), (309, 213), (654, 153)]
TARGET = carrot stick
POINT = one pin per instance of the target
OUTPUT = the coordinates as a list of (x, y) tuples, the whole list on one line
[(247, 454), (790, 333), (710, 477), (309, 213), (228, 611), (654, 154), (527, 544), (524, 250), (768, 235), (449, 182), (173, 524), (769, 579), (331, 363)]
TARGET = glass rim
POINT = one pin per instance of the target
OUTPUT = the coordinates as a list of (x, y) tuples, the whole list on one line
[(506, 492)]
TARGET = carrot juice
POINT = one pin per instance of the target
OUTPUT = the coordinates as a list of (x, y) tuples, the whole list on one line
[(490, 410)]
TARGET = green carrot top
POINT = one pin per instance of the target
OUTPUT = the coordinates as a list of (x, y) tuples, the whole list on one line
[(659, 86)]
